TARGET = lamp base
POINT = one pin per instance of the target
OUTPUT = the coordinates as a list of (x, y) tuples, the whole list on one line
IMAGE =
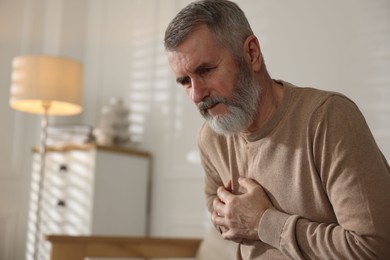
[(41, 179)]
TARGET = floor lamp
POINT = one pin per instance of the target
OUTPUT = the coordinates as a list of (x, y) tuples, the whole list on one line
[(45, 85)]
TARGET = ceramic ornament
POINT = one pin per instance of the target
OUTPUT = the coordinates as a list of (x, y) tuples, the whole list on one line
[(113, 128)]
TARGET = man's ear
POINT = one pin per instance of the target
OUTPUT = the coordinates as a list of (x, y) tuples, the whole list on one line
[(252, 53)]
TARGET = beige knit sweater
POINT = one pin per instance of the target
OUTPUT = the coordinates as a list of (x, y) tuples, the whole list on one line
[(320, 166)]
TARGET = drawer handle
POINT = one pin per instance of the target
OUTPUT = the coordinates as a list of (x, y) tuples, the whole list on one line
[(63, 168), (61, 203)]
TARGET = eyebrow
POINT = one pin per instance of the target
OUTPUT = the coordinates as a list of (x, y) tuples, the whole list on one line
[(198, 69)]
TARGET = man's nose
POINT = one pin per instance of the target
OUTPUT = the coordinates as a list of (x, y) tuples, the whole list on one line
[(199, 91)]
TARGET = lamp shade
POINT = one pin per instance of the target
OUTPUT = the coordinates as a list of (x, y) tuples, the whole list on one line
[(44, 83)]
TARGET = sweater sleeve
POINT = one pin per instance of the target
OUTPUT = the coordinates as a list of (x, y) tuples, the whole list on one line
[(212, 179), (356, 178)]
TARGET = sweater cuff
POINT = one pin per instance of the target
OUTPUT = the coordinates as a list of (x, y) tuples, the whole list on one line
[(271, 226)]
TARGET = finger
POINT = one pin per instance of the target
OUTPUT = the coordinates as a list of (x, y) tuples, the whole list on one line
[(219, 229), (247, 184), (223, 194), (229, 186), (218, 206), (223, 229), (215, 201), (217, 220)]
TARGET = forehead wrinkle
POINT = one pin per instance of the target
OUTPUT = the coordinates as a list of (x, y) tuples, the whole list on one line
[(187, 65), (177, 61), (193, 53)]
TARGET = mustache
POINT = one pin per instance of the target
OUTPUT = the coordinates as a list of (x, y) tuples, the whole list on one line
[(209, 102)]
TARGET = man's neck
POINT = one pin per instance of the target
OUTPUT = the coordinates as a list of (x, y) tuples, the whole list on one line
[(271, 96)]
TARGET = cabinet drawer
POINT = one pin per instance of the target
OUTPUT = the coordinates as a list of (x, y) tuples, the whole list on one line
[(65, 228), (91, 191), (70, 210)]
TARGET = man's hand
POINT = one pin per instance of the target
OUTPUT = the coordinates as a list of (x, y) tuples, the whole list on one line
[(238, 216)]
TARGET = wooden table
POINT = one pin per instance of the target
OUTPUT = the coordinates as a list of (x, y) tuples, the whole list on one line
[(79, 247)]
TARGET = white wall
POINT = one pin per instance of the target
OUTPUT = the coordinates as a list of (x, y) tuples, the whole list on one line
[(336, 45), (28, 27), (125, 57)]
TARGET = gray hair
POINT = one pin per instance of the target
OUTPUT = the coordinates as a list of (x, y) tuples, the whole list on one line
[(224, 18)]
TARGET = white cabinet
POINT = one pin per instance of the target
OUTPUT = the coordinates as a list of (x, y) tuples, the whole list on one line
[(91, 189), (120, 194)]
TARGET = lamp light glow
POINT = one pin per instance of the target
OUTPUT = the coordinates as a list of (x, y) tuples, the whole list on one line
[(39, 80)]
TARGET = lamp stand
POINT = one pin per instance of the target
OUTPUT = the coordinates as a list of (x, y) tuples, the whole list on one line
[(41, 179)]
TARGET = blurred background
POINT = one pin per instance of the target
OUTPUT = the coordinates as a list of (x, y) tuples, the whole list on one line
[(342, 46)]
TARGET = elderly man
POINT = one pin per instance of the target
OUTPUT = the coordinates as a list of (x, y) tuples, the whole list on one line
[(290, 172)]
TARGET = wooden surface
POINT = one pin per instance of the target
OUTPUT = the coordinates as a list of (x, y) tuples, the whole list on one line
[(79, 247), (125, 150), (87, 146)]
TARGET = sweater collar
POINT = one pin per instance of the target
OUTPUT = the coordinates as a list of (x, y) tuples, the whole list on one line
[(274, 119)]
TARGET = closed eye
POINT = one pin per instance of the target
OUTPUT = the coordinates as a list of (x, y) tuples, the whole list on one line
[(203, 70), (184, 81)]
